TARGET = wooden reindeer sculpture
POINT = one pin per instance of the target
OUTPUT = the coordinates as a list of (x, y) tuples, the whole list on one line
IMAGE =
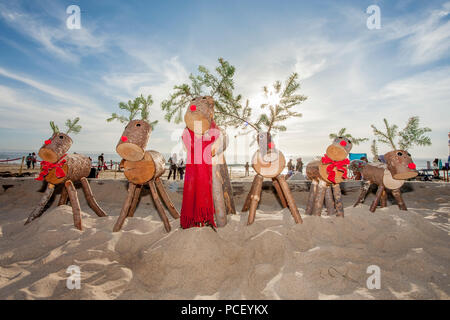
[(326, 174), (268, 162), (390, 176), (207, 192), (58, 167), (142, 167)]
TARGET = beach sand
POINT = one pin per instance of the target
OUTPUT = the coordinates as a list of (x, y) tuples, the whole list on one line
[(323, 258)]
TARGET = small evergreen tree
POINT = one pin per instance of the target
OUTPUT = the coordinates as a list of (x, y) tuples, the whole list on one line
[(342, 133), (134, 107)]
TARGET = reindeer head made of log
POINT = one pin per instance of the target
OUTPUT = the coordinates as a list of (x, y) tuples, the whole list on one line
[(200, 114), (55, 147), (339, 149), (266, 146), (400, 164), (134, 139)]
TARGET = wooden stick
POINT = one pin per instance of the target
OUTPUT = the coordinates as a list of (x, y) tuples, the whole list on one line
[(280, 194), (39, 209), (21, 165), (166, 199), (320, 197), (255, 196), (375, 202), (383, 200), (338, 200), (63, 197), (218, 196), (75, 204), (362, 196), (90, 198), (398, 197), (290, 200), (227, 189), (329, 201), (249, 195), (125, 208), (158, 205), (135, 201), (312, 195)]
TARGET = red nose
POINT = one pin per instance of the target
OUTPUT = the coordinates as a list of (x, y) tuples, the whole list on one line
[(193, 107), (411, 166), (271, 145), (124, 139), (343, 143), (48, 141)]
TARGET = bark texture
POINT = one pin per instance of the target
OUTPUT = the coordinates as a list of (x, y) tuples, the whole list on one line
[(338, 200), (290, 200), (59, 144), (39, 209), (279, 192), (311, 197), (254, 198), (135, 201), (329, 201), (375, 202), (90, 198), (158, 205), (125, 208), (76, 167), (76, 210), (134, 139), (319, 199), (166, 199), (398, 197)]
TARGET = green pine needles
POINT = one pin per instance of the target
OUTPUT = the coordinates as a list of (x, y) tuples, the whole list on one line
[(72, 126), (343, 133), (140, 105)]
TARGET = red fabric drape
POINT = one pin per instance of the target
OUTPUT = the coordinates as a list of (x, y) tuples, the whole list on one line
[(197, 208), (47, 166)]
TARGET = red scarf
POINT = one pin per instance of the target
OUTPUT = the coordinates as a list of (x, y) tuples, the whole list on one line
[(47, 166), (340, 166), (197, 209)]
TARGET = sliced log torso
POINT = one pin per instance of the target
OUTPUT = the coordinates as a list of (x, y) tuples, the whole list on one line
[(76, 167), (142, 171), (381, 176), (269, 167), (316, 170)]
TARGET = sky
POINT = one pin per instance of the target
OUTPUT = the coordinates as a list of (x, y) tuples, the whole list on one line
[(353, 76)]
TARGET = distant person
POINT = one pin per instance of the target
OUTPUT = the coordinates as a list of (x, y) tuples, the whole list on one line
[(100, 160), (247, 171), (29, 159), (172, 169), (181, 169), (290, 167), (33, 159), (436, 168), (299, 165)]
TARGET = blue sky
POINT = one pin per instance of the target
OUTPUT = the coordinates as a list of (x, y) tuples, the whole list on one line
[(353, 76)]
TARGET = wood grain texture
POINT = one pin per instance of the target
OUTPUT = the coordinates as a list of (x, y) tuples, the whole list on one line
[(166, 199), (39, 209), (254, 198), (329, 201), (398, 197), (158, 205), (289, 199), (279, 192), (337, 195), (135, 201), (125, 208), (375, 202), (319, 199), (311, 197)]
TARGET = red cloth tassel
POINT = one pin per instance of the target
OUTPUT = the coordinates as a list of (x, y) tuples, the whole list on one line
[(197, 208), (340, 166), (47, 166)]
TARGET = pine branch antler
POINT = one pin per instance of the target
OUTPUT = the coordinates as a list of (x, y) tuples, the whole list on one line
[(138, 105), (54, 127), (72, 125)]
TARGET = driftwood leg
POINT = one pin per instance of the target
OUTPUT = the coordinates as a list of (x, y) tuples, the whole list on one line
[(125, 208), (74, 203), (312, 195), (362, 196), (166, 199), (383, 200), (280, 194), (398, 197), (375, 202), (329, 201), (290, 200), (90, 198), (39, 209), (158, 205), (218, 197), (338, 200), (63, 197), (135, 200), (319, 199), (249, 195), (255, 196)]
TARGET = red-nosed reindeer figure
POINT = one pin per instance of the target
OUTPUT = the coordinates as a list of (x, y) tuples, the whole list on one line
[(390, 176)]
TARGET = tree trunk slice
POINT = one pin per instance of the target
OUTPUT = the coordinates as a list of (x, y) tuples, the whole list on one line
[(311, 197), (324, 174), (329, 201), (59, 145), (338, 200), (166, 199), (320, 197), (90, 198), (75, 204), (398, 197), (375, 202), (383, 200), (39, 209), (280, 194), (391, 183), (362, 196), (254, 198), (76, 167), (290, 200), (139, 172), (158, 205), (249, 195), (137, 133), (125, 208), (63, 197), (135, 200), (269, 169)]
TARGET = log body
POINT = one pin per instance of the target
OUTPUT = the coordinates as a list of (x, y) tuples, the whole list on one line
[(317, 170), (271, 165), (381, 177), (159, 162), (76, 167), (142, 171), (58, 145), (134, 139)]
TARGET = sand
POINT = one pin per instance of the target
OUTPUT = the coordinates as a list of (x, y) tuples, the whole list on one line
[(323, 258)]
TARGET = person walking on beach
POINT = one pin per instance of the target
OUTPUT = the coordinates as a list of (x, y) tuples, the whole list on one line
[(299, 166), (290, 167), (33, 159), (247, 167), (29, 159), (100, 161), (172, 168), (181, 169), (436, 168)]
